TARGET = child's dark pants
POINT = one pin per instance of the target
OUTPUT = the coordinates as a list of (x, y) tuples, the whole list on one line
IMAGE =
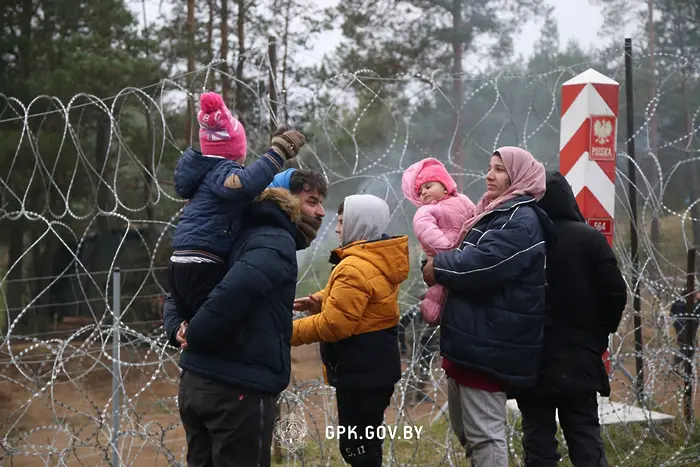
[(191, 283), (362, 408)]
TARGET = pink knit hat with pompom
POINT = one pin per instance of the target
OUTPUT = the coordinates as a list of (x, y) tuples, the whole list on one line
[(219, 133)]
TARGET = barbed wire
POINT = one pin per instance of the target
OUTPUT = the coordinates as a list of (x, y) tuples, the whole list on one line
[(79, 210)]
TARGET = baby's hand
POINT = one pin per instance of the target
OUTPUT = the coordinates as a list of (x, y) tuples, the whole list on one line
[(288, 144), (429, 272)]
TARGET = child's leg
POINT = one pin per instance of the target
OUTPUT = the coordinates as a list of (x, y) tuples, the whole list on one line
[(191, 284), (362, 411)]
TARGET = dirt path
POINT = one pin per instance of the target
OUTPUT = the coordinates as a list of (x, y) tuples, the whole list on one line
[(72, 417)]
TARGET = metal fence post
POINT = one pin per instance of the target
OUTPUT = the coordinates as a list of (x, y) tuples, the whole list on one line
[(634, 240), (116, 383)]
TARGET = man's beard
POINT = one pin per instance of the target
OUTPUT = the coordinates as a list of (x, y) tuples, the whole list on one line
[(309, 226)]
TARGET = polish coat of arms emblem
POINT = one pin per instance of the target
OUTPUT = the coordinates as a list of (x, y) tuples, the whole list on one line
[(602, 130)]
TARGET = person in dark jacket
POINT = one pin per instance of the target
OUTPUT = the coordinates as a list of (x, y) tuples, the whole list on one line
[(218, 189), (586, 295), (237, 353), (491, 329), (355, 318)]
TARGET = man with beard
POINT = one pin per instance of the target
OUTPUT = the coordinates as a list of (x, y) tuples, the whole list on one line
[(311, 189), (237, 354)]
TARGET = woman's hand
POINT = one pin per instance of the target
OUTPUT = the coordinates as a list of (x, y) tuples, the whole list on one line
[(311, 304), (180, 336), (429, 272)]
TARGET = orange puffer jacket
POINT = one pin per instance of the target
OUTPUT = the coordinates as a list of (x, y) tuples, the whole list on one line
[(358, 322)]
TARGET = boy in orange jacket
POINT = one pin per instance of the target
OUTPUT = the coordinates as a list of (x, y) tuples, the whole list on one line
[(355, 318)]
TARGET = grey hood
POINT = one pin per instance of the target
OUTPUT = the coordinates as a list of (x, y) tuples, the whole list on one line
[(365, 217)]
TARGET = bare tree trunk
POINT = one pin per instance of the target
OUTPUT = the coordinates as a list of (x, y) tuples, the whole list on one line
[(225, 80), (458, 85), (42, 270), (272, 56), (44, 265), (148, 181), (210, 31), (692, 175), (15, 289), (240, 26), (105, 198), (25, 53), (694, 193), (653, 131), (693, 180), (285, 44), (35, 287), (190, 67)]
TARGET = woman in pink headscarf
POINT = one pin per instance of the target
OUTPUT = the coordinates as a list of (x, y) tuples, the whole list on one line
[(492, 323)]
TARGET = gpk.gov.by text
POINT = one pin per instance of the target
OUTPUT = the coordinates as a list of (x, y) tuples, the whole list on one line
[(371, 432)]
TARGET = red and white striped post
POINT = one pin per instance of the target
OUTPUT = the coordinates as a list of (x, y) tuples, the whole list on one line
[(588, 148), (588, 145)]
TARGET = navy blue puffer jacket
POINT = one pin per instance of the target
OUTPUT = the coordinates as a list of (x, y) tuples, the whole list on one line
[(494, 314), (242, 334), (219, 191)]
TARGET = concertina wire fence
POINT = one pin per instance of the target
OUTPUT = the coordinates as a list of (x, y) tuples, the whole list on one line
[(68, 396)]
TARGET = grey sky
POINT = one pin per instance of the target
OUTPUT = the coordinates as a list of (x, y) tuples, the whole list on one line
[(578, 19)]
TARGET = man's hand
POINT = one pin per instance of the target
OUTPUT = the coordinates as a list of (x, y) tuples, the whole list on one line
[(180, 336), (429, 272), (311, 304)]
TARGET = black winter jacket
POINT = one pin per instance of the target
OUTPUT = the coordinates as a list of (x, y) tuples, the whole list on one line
[(586, 295), (494, 314), (242, 334)]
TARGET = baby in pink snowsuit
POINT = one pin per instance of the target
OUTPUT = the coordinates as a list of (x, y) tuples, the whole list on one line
[(442, 212)]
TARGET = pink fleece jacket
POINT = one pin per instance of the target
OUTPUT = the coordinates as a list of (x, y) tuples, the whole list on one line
[(437, 226)]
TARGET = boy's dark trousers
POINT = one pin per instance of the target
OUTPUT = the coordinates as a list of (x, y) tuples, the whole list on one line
[(578, 417), (191, 283), (224, 425), (361, 408)]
